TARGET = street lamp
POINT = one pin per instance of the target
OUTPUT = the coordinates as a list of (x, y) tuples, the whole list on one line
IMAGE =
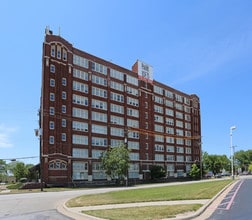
[(231, 150)]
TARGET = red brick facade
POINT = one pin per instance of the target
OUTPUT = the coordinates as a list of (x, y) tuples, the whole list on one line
[(88, 103)]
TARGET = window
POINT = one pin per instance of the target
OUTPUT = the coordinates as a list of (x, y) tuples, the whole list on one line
[(64, 55), (81, 100), (97, 116), (169, 103), (64, 95), (179, 106), (180, 141), (133, 134), (159, 157), (57, 165), (80, 170), (170, 140), (77, 86), (158, 99), (159, 128), (51, 110), (169, 148), (180, 150), (51, 139), (96, 141), (51, 125), (169, 121), (116, 97), (169, 158), (116, 74), (53, 50), (58, 52), (158, 118), (99, 104), (159, 138), (179, 132), (79, 126), (117, 108), (158, 90), (52, 96), (63, 109), (133, 145), (117, 86), (169, 130), (179, 115), (80, 139), (158, 109), (64, 82), (159, 147), (117, 132), (132, 91), (99, 68), (99, 92), (116, 143), (132, 123), (99, 129), (132, 80), (169, 112), (179, 124), (63, 136), (132, 101), (80, 74), (52, 68), (133, 112), (96, 153), (188, 150), (80, 113), (178, 98), (80, 61), (99, 80), (52, 82), (180, 158), (80, 153), (63, 123), (116, 120), (134, 156), (168, 94)]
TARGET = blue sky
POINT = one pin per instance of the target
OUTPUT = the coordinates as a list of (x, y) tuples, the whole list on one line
[(198, 47)]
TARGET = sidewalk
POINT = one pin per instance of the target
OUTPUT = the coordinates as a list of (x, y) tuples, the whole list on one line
[(209, 205)]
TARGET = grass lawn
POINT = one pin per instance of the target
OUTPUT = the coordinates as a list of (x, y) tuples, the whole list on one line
[(199, 190), (144, 213)]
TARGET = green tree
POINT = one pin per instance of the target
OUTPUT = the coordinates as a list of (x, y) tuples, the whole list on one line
[(3, 171), (20, 171), (215, 163), (157, 172), (115, 162), (194, 172), (243, 159), (250, 168)]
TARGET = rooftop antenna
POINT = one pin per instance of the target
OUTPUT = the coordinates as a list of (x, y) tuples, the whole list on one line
[(59, 31)]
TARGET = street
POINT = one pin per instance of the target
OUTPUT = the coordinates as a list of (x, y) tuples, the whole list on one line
[(41, 205), (237, 203)]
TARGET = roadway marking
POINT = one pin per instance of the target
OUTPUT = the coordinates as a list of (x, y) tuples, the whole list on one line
[(229, 198)]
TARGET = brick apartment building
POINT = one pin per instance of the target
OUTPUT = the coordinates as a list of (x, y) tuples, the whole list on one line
[(89, 104)]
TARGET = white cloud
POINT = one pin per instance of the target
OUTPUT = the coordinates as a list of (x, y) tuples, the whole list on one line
[(5, 136)]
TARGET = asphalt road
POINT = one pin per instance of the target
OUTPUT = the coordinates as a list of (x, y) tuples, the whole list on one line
[(237, 203), (39, 206)]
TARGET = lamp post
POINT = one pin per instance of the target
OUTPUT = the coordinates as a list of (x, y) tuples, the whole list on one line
[(231, 150)]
